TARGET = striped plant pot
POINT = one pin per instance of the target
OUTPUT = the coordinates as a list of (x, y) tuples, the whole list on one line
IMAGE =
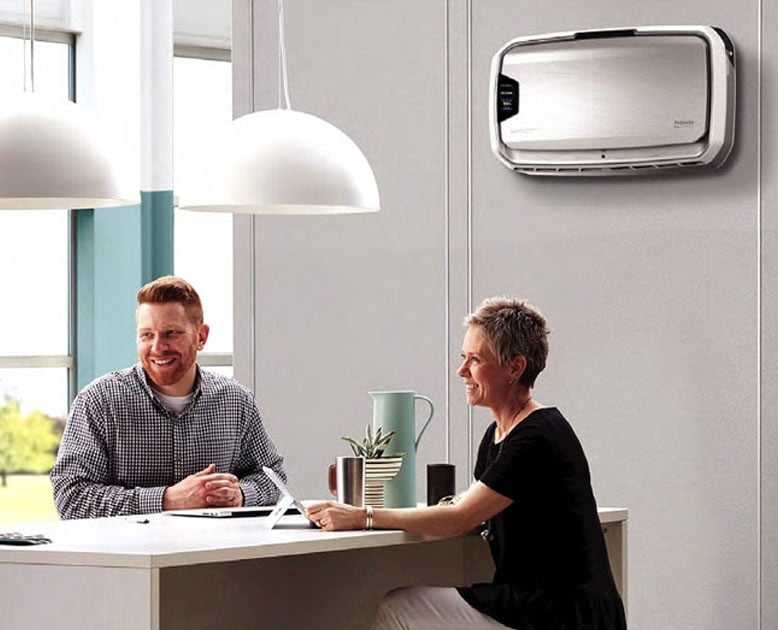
[(377, 473)]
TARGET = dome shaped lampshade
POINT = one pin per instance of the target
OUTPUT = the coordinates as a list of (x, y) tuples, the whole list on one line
[(52, 156), (281, 162)]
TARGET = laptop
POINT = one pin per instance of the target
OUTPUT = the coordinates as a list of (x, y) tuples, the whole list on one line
[(231, 512), (286, 501)]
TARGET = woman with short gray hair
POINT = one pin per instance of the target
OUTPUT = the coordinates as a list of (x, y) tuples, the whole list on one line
[(532, 492), (514, 328)]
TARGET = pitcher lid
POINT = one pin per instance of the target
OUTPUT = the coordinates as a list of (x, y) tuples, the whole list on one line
[(392, 391)]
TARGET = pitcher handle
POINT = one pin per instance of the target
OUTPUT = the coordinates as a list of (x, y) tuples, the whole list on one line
[(426, 424)]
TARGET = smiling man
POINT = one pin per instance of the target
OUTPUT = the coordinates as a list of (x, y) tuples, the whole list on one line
[(164, 434)]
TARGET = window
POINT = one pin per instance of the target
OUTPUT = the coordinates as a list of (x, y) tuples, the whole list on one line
[(202, 100), (34, 262), (35, 359)]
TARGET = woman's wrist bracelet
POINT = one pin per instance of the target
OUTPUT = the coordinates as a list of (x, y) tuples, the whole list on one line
[(369, 517)]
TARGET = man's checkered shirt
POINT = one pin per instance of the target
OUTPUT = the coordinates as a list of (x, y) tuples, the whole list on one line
[(122, 448)]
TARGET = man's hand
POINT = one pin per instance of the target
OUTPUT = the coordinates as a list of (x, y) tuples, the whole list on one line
[(223, 491), (206, 488)]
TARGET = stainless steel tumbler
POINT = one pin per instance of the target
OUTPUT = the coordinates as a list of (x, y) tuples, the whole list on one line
[(350, 474)]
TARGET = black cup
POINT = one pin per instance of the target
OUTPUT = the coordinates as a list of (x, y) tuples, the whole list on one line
[(441, 480)]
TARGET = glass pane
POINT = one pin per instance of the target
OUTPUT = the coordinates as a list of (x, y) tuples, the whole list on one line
[(202, 97), (34, 273), (51, 67), (33, 406), (224, 370), (36, 389)]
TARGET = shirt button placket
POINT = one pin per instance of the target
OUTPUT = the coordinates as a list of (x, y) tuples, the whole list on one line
[(179, 442)]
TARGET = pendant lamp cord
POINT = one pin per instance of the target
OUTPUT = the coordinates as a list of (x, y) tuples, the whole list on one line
[(283, 81), (32, 45), (31, 12)]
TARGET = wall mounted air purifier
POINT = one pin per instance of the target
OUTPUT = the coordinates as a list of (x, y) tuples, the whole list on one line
[(614, 102)]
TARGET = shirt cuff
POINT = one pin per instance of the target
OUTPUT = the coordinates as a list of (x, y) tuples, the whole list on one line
[(150, 499), (250, 494)]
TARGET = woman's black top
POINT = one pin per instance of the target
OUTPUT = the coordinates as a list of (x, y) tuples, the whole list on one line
[(552, 570)]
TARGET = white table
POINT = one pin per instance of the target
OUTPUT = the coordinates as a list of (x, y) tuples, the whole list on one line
[(175, 572)]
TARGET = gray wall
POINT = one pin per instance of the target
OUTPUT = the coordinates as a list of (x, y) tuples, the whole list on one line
[(660, 291)]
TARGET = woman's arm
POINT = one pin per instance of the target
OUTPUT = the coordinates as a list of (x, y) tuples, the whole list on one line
[(477, 504)]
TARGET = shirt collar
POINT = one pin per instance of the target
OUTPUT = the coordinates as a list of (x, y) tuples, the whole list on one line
[(202, 384)]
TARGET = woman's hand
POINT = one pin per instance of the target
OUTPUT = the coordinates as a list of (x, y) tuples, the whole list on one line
[(478, 504), (332, 516)]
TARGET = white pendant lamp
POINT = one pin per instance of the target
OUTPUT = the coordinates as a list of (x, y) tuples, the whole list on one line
[(52, 156), (281, 162)]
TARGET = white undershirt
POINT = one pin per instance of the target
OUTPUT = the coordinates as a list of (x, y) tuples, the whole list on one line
[(175, 404)]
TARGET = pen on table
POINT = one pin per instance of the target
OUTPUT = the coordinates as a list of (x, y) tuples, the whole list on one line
[(135, 519)]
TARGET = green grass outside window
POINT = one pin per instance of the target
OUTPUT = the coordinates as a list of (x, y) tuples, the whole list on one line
[(26, 498)]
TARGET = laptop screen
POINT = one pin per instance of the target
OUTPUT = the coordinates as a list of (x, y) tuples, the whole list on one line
[(287, 499)]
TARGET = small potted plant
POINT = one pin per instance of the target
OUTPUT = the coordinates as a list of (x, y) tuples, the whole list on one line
[(373, 445), (379, 467)]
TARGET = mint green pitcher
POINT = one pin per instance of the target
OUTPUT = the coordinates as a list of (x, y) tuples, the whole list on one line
[(396, 411)]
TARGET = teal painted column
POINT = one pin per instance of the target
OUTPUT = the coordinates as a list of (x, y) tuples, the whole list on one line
[(157, 234), (118, 250)]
